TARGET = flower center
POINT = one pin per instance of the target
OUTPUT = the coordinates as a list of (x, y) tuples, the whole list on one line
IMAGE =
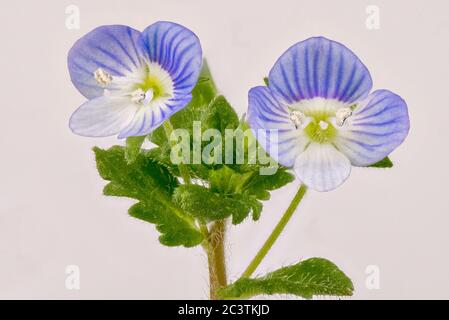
[(144, 86), (320, 131)]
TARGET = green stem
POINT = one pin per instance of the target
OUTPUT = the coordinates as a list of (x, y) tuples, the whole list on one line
[(214, 247), (184, 172), (275, 233)]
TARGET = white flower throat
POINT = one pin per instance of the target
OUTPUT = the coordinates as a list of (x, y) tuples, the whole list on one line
[(146, 85)]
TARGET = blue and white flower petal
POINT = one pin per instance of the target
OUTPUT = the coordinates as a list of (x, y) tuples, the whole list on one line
[(102, 117), (116, 50), (152, 73), (378, 125), (319, 67), (322, 167), (270, 121), (178, 51), (150, 117)]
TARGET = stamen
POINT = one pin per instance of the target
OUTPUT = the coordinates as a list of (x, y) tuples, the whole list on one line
[(298, 118), (342, 114), (141, 97), (102, 77)]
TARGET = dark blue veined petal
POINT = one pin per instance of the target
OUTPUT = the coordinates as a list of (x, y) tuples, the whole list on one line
[(318, 67), (274, 130), (150, 117), (116, 49), (103, 116), (177, 50), (322, 167), (378, 125)]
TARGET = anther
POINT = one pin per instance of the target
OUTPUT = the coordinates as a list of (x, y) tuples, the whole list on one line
[(298, 118), (342, 114), (102, 77)]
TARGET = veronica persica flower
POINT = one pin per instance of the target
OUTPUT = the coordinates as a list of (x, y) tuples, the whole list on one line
[(134, 80), (318, 101)]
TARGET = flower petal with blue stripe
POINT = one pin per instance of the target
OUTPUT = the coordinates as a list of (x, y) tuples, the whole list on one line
[(318, 101), (134, 80)]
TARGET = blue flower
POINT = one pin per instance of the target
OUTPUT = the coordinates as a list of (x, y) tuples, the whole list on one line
[(318, 101), (134, 80)]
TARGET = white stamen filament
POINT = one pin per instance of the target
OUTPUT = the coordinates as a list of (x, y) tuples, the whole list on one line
[(102, 77), (342, 115)]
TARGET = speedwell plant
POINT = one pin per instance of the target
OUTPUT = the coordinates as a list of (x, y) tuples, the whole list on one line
[(315, 118)]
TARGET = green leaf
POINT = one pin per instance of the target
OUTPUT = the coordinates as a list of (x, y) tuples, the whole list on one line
[(260, 185), (266, 81), (153, 185), (162, 156), (175, 231), (249, 186), (205, 89), (206, 205), (133, 145), (384, 163), (202, 94), (226, 180), (312, 277)]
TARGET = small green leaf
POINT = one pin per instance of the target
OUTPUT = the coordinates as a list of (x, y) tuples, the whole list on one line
[(384, 163), (312, 277), (205, 89), (133, 145), (220, 115), (204, 204), (260, 185), (153, 185), (225, 180), (174, 230), (202, 95)]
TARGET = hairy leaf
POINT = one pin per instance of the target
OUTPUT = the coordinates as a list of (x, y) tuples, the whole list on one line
[(260, 185), (220, 115), (207, 205), (312, 277), (251, 186), (153, 185), (133, 145)]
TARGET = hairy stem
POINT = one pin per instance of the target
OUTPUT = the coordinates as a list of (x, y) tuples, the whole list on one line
[(275, 233), (214, 247)]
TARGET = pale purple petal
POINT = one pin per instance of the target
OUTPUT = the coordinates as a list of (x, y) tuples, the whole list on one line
[(379, 124)]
